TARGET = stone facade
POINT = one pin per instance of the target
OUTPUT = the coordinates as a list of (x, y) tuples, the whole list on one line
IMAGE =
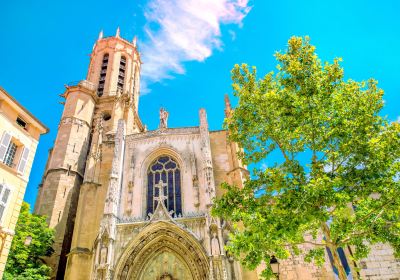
[(128, 203), (19, 134)]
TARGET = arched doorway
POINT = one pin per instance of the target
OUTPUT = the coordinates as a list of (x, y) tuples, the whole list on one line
[(163, 251), (164, 265)]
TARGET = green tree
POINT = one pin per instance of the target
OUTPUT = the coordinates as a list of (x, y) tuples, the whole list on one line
[(333, 162), (24, 261)]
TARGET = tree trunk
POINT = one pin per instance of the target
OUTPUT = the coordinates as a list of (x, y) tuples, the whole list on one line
[(338, 263), (336, 259)]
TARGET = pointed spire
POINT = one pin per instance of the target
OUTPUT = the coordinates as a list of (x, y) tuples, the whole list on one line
[(100, 35), (134, 41), (228, 108), (117, 34)]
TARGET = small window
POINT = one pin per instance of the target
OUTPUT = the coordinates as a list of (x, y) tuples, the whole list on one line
[(4, 197), (21, 122)]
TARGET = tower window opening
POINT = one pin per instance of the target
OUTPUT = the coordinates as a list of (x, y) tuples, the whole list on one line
[(106, 116), (121, 74), (103, 74)]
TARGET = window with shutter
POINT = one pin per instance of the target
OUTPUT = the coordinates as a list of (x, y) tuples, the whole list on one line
[(23, 161), (4, 197), (5, 141), (10, 154)]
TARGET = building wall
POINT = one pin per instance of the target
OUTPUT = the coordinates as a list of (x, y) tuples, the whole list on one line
[(380, 264), (9, 176)]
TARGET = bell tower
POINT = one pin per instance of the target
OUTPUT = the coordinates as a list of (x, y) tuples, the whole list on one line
[(115, 71), (92, 109)]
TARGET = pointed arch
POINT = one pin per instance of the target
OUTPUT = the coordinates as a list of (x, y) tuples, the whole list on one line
[(151, 156), (158, 238)]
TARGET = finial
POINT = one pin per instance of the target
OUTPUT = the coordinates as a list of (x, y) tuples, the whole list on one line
[(203, 119), (117, 34), (134, 41), (101, 35), (228, 108)]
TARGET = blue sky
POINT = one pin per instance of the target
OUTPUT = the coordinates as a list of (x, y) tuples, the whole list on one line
[(45, 44)]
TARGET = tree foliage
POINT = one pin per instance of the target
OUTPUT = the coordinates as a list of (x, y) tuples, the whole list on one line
[(332, 162), (24, 262)]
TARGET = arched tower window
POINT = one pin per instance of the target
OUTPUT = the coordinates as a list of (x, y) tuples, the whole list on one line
[(121, 73), (167, 169), (103, 73)]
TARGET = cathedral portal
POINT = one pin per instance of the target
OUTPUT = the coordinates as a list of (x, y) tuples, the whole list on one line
[(163, 250)]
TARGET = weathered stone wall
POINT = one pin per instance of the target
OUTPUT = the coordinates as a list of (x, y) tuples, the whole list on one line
[(380, 264)]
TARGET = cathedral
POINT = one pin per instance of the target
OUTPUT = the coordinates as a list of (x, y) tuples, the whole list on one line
[(130, 203)]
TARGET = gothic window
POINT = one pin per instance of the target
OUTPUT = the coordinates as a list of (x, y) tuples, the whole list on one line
[(103, 73), (121, 73), (165, 168)]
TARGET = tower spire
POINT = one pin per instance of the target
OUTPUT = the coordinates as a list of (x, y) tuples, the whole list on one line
[(134, 41), (117, 34)]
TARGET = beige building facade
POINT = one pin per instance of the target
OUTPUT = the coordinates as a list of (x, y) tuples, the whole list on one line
[(19, 132), (128, 203)]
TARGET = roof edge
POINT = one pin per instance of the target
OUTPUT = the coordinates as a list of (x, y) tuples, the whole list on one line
[(38, 122)]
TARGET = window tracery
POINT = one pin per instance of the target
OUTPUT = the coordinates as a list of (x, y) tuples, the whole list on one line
[(164, 168)]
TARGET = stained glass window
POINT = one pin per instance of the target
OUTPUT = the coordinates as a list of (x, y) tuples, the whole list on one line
[(166, 169)]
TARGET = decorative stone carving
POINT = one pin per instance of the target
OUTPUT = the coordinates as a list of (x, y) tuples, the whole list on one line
[(207, 161), (164, 237), (161, 213)]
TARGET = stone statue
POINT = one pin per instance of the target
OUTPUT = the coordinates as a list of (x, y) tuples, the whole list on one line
[(163, 118), (124, 273), (103, 254), (215, 250)]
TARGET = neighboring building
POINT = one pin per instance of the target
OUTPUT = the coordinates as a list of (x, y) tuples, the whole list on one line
[(19, 132), (127, 203)]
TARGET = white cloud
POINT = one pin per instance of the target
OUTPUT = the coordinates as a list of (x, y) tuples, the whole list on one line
[(184, 30)]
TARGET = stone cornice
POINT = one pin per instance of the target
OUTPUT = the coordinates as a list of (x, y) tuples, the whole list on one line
[(110, 39), (126, 221), (73, 120), (84, 87), (51, 170), (79, 250), (163, 132)]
